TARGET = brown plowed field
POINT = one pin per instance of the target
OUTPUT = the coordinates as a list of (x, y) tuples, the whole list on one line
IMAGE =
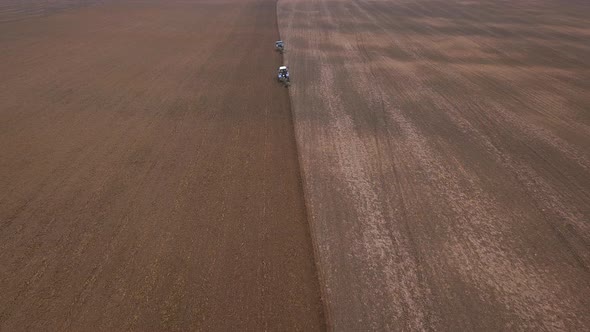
[(445, 147), (18, 10), (148, 172)]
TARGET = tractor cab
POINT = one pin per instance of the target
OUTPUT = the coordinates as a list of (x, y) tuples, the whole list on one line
[(283, 75), (279, 45)]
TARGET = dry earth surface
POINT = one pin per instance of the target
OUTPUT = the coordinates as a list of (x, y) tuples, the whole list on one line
[(17, 10), (445, 147), (148, 171)]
